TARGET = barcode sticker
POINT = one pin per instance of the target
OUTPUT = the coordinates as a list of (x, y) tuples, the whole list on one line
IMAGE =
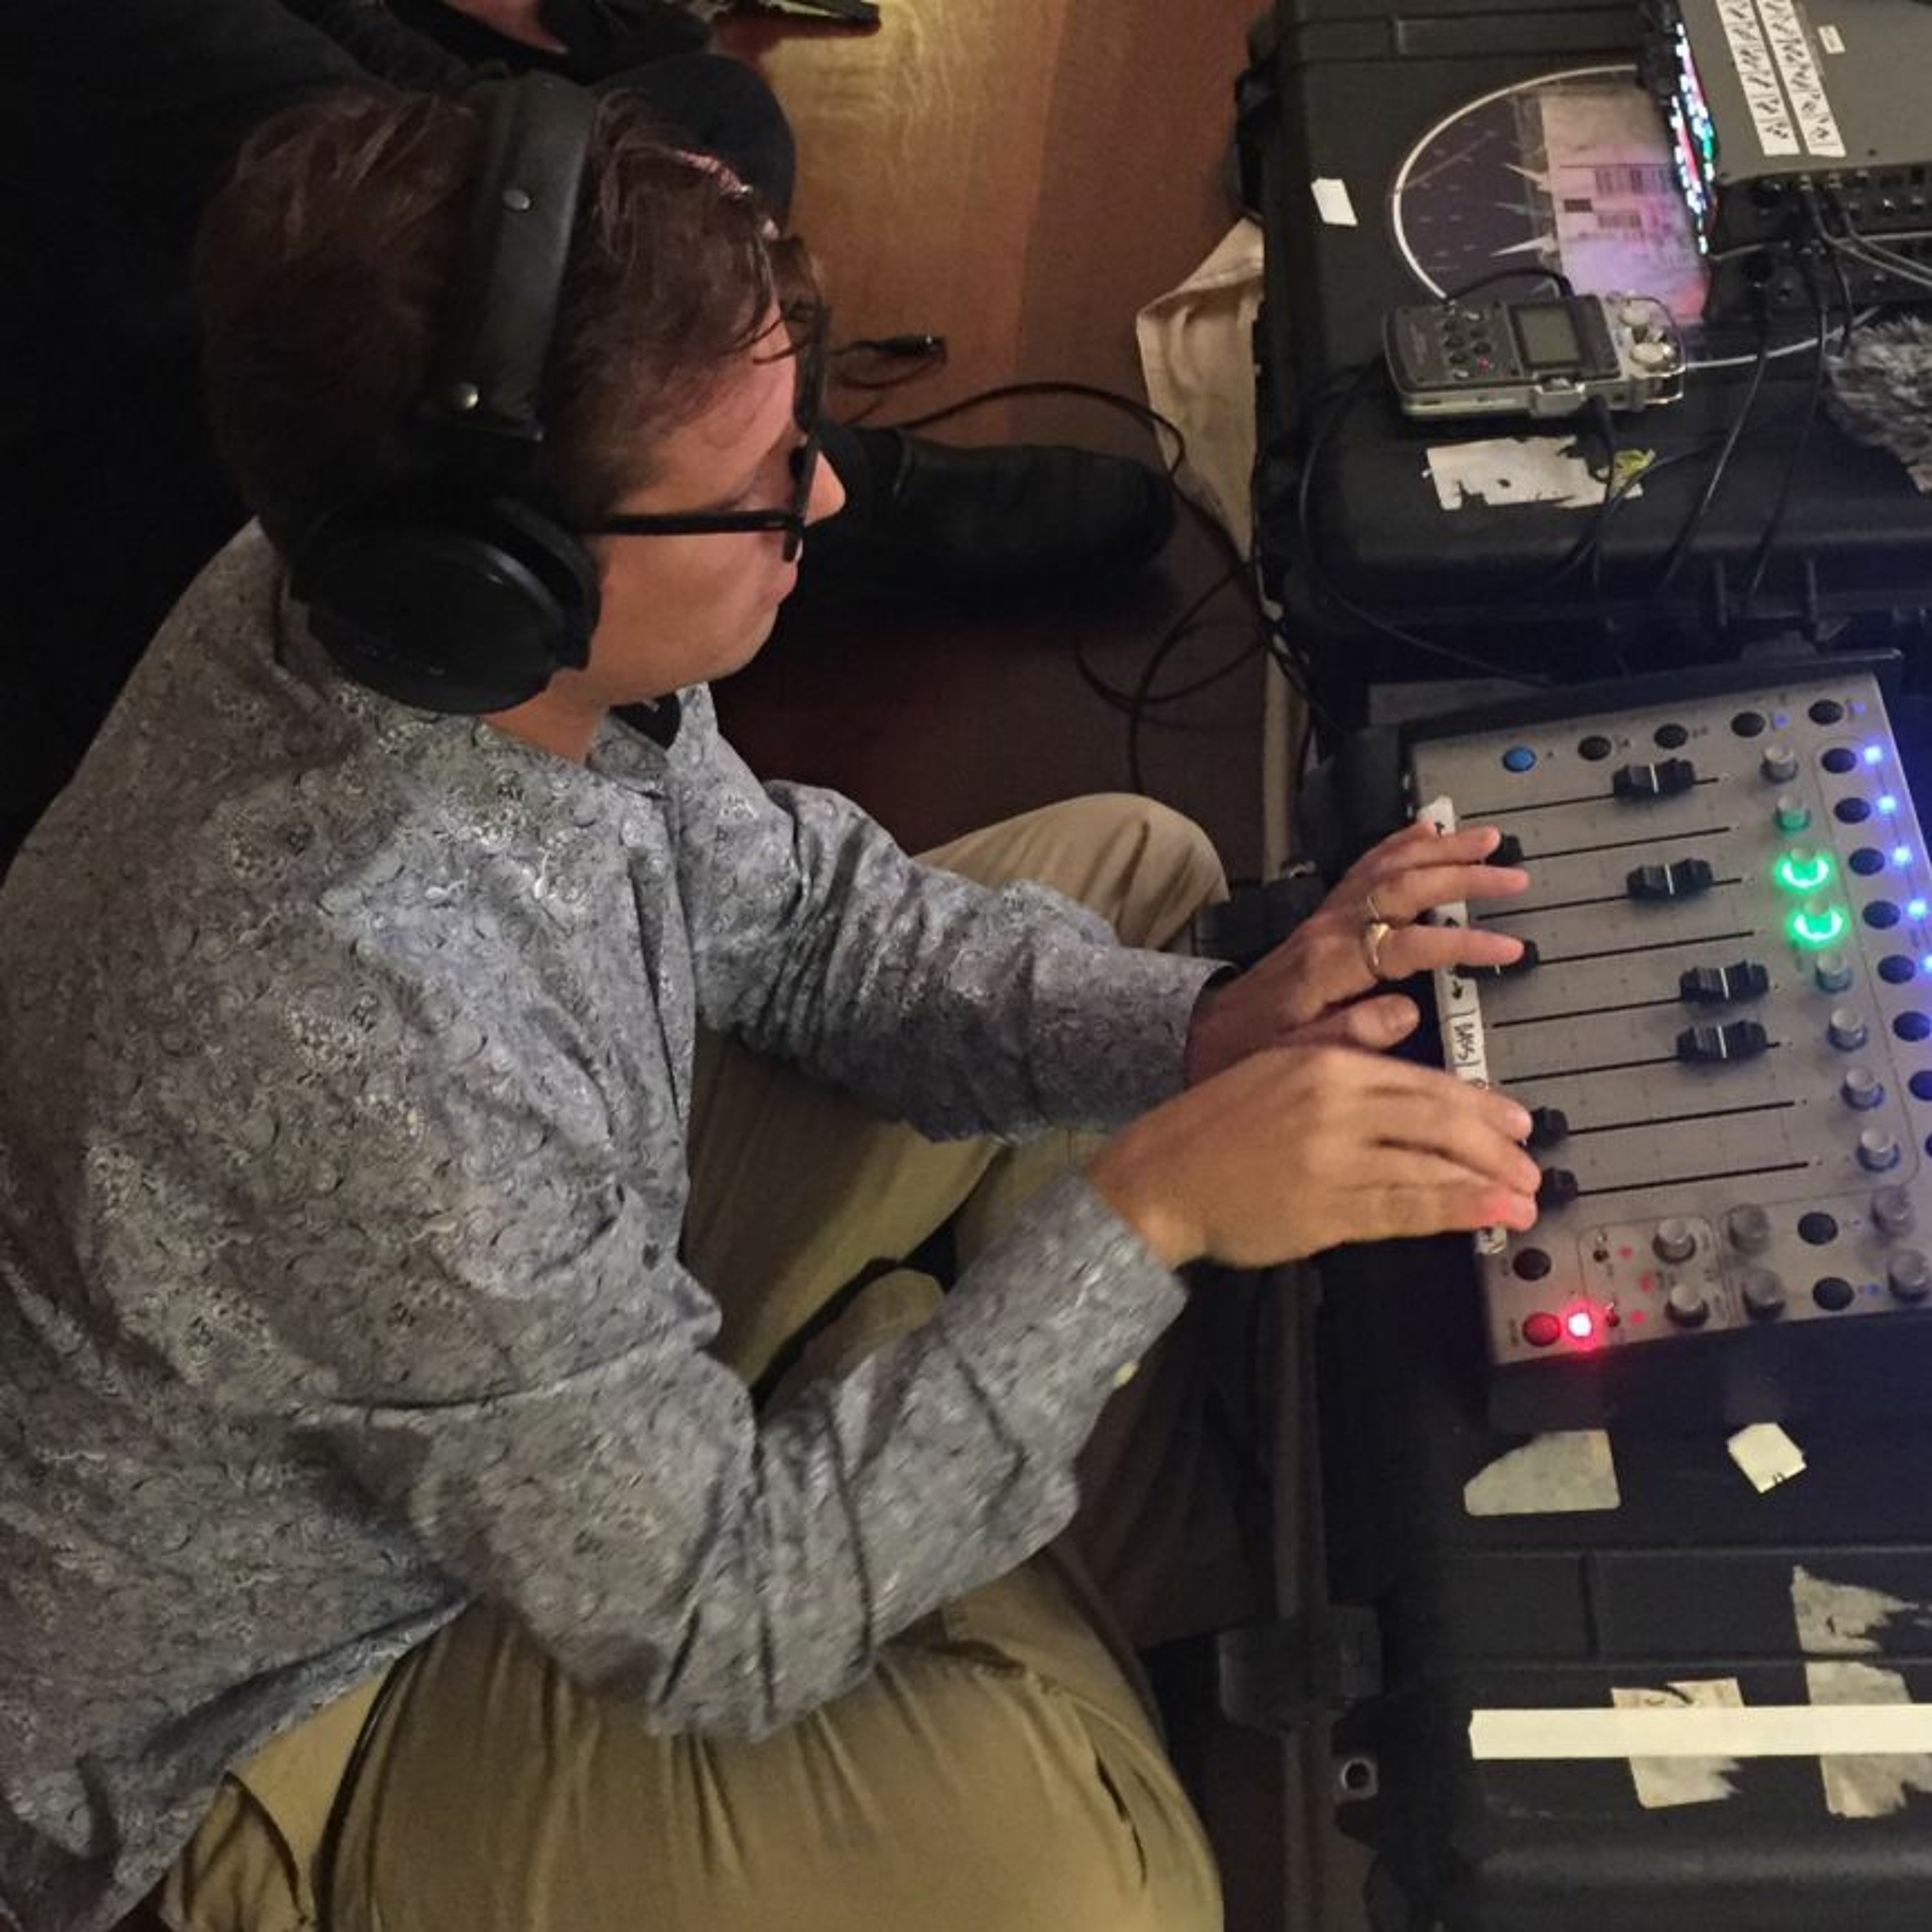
[(1633, 177)]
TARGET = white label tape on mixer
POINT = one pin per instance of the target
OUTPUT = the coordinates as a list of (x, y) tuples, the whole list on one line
[(1459, 1008)]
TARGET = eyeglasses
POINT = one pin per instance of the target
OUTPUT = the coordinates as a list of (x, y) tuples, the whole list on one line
[(807, 406)]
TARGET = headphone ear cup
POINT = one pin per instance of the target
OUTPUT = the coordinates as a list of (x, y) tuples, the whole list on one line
[(560, 562), (471, 609)]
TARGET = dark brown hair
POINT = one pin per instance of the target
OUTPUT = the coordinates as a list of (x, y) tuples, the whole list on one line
[(320, 271)]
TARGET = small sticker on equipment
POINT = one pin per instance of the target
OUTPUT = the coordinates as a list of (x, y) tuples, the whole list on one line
[(1332, 202), (1831, 39)]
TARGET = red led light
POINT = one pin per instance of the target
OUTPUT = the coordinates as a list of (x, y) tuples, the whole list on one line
[(1581, 1323), (1635, 1316)]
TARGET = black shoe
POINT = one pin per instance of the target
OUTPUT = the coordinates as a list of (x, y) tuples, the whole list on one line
[(981, 529)]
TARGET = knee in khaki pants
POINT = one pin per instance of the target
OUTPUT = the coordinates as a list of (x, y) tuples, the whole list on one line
[(1142, 866), (959, 1788), (993, 1774)]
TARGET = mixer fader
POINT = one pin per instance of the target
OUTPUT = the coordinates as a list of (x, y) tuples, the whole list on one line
[(1723, 1027)]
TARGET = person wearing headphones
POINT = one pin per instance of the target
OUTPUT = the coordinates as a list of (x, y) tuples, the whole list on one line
[(474, 1450)]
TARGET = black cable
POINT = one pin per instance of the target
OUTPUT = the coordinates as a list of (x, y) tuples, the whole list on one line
[(1767, 542), (1869, 251), (1137, 703), (1137, 715), (1140, 698), (1355, 381), (1844, 296), (875, 365), (1625, 490), (1561, 281), (1680, 548), (1143, 698), (1286, 654), (329, 1851), (1324, 587), (1580, 552), (917, 345), (1148, 417)]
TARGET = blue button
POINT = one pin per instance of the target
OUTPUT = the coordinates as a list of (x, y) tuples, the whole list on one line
[(1518, 758)]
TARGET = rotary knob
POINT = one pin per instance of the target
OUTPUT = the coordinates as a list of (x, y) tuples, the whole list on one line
[(1892, 1210), (1861, 1088), (1832, 971), (1763, 1295), (1845, 1028), (1908, 1275), (1779, 764), (1688, 1306), (1749, 1228), (1675, 1240), (1791, 812), (1653, 355), (1878, 1151)]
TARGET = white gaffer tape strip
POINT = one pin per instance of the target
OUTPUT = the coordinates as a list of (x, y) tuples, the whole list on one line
[(1764, 1730), (1333, 202)]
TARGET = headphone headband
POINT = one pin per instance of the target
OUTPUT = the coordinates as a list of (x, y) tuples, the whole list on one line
[(486, 372)]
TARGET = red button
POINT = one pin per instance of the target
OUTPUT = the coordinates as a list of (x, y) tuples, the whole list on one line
[(1541, 1329)]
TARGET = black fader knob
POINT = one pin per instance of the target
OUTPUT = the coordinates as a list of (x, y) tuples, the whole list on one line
[(1558, 1188), (1713, 1046), (1722, 985), (1664, 779), (1547, 1126), (1508, 852), (1682, 879), (1525, 961)]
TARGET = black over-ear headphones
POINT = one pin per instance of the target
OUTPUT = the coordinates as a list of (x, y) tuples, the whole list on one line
[(460, 593)]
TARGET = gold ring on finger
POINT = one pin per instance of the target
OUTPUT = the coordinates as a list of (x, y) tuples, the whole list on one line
[(1373, 933), (1374, 914)]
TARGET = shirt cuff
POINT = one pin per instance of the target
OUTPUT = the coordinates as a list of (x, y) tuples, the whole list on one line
[(1066, 1300), (1122, 1051)]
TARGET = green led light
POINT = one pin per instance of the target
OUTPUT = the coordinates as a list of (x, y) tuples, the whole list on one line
[(1803, 872), (1814, 926)]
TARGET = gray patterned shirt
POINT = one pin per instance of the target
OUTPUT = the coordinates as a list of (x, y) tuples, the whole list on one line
[(345, 1065)]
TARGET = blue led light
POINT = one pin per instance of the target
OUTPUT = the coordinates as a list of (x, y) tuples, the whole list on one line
[(1915, 908), (1901, 855), (1925, 964), (1888, 804), (1872, 753)]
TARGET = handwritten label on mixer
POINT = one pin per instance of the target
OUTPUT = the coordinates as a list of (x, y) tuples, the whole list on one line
[(1458, 1009), (1462, 1027)]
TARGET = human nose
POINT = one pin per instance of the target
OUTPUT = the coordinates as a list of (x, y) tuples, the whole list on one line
[(828, 494)]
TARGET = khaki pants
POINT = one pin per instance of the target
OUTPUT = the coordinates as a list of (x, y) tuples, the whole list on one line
[(999, 1771)]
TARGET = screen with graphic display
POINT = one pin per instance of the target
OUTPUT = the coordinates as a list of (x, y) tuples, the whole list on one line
[(1548, 336)]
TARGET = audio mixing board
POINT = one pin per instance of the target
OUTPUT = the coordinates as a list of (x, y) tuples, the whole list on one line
[(1722, 1028)]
